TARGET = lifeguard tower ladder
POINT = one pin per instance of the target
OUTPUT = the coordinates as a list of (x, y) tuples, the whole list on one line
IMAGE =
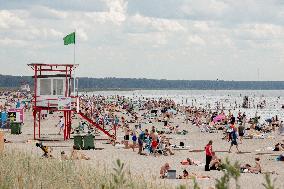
[(53, 91)]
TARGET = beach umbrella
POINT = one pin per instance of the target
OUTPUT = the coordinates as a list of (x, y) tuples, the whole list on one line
[(219, 118)]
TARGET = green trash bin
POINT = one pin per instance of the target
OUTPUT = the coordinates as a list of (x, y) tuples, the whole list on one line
[(78, 142), (89, 142), (15, 128)]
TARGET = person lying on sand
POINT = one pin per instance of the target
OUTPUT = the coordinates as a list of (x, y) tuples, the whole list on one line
[(164, 170), (189, 161), (248, 168), (7, 141), (279, 147), (186, 175), (76, 155)]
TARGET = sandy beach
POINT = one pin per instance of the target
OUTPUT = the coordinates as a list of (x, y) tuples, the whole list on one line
[(148, 167)]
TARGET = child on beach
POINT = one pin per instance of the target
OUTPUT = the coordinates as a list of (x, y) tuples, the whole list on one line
[(134, 140)]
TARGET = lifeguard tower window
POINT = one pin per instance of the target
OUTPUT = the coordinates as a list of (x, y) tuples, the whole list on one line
[(45, 86), (57, 87)]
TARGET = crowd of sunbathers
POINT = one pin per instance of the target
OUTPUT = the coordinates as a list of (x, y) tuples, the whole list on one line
[(104, 111)]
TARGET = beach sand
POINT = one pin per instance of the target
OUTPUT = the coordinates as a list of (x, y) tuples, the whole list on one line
[(148, 167)]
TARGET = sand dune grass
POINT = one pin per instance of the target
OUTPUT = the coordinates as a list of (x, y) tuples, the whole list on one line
[(21, 170)]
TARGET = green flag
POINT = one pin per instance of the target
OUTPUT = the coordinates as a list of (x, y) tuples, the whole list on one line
[(69, 39)]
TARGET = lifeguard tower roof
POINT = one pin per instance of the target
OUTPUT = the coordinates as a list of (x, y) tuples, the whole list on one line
[(53, 76), (52, 67)]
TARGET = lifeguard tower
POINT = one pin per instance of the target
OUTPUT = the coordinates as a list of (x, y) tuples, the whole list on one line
[(54, 90)]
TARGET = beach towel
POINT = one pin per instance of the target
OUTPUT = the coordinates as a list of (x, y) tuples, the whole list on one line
[(175, 147)]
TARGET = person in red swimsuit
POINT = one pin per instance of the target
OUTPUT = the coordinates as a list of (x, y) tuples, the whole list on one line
[(154, 143)]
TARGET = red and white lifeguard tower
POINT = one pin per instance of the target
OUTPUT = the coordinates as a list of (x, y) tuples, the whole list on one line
[(54, 91)]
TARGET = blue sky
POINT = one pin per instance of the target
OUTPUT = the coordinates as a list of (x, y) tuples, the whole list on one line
[(161, 39)]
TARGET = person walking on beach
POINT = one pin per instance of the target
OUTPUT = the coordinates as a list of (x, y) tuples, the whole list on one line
[(60, 124), (209, 154), (234, 139), (241, 130)]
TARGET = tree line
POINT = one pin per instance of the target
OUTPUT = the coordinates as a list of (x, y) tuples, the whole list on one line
[(7, 81)]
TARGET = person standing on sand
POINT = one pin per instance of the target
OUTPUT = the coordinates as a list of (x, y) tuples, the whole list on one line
[(134, 139), (141, 139), (126, 136), (154, 142), (60, 124), (209, 154), (241, 131), (234, 139), (281, 128)]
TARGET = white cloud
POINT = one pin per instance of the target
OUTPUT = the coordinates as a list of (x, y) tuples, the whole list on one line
[(196, 40), (157, 23), (174, 34), (9, 19), (265, 30), (12, 42), (44, 12), (117, 13), (202, 26), (206, 9), (82, 34)]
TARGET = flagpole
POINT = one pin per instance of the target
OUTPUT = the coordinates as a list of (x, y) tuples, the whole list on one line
[(74, 77)]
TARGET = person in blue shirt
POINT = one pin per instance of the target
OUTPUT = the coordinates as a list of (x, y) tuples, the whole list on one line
[(141, 139), (18, 104), (234, 140)]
